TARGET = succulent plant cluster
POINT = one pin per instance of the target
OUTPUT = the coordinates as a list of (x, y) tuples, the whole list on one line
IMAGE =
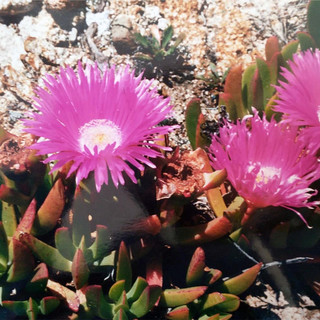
[(55, 255), (159, 56), (255, 86), (141, 248)]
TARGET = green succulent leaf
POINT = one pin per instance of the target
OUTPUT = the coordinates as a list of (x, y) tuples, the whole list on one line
[(236, 211), (265, 76), (136, 290), (116, 290), (97, 302), (211, 317), (230, 304), (246, 88), (142, 40), (232, 95), (212, 300), (51, 209), (173, 48), (242, 282), (80, 270), (313, 20), (167, 36), (124, 271), (196, 267), (272, 47), (289, 49), (146, 301), (17, 307), (179, 313), (213, 230), (100, 247), (8, 218), (120, 315), (122, 303), (51, 256), (64, 243), (212, 276), (49, 304), (4, 252), (178, 297), (12, 196), (192, 118), (39, 281), (306, 41), (22, 261)]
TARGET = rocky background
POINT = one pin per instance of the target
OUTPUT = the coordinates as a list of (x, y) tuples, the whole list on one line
[(37, 37)]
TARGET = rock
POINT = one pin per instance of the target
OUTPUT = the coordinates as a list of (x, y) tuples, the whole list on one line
[(11, 47), (38, 27), (14, 7), (121, 34), (101, 19)]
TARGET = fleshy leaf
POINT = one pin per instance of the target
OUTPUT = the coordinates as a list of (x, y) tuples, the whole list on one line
[(22, 261), (120, 315), (230, 304), (4, 253), (306, 41), (272, 46), (178, 297), (122, 303), (97, 302), (212, 300), (289, 49), (192, 117), (206, 232), (242, 282), (63, 293), (51, 209), (46, 253), (313, 20), (232, 93), (8, 218), (134, 293), (49, 304), (146, 301), (101, 244), (124, 271), (246, 86), (64, 243), (80, 270), (179, 313), (39, 281), (216, 201), (196, 268), (116, 290)]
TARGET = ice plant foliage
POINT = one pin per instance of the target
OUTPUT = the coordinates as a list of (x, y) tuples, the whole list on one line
[(101, 122), (299, 97), (266, 162)]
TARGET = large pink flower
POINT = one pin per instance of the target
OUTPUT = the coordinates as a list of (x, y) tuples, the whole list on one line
[(266, 163), (101, 122), (299, 97)]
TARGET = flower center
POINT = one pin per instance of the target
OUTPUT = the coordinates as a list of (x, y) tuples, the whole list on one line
[(267, 173), (99, 133)]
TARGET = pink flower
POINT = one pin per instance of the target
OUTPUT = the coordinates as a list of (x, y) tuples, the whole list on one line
[(299, 98), (101, 122), (266, 163)]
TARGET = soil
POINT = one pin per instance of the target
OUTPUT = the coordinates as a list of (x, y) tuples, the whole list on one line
[(38, 37)]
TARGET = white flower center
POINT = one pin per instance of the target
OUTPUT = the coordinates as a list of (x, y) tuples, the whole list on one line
[(99, 133), (267, 173)]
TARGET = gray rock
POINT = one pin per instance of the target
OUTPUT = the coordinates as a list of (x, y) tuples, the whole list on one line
[(121, 34)]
